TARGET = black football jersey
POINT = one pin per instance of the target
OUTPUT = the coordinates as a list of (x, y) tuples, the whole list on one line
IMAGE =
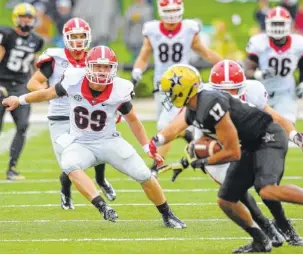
[(249, 121), (19, 55)]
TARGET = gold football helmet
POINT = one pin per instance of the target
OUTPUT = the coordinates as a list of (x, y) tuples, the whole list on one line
[(24, 10), (180, 83)]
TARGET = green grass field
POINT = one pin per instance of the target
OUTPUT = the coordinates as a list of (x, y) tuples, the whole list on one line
[(31, 220)]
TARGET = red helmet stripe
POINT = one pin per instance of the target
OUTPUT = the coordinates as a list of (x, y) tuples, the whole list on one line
[(226, 71)]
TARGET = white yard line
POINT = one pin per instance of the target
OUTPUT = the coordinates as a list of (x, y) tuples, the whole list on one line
[(115, 205), (34, 192), (120, 220), (150, 239), (124, 179)]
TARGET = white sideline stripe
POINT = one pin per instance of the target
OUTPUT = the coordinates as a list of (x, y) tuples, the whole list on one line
[(125, 179), (152, 220), (118, 205), (127, 239), (6, 137), (117, 190)]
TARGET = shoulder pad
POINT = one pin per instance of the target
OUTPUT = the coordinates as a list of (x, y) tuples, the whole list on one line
[(72, 76), (256, 43), (49, 54), (123, 89), (192, 25), (149, 27)]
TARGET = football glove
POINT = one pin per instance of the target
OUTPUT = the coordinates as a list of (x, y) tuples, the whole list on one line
[(266, 74), (192, 157), (136, 76), (176, 167), (298, 140), (299, 90)]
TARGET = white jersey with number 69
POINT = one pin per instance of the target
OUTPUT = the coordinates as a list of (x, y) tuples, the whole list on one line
[(170, 47), (283, 60), (92, 118)]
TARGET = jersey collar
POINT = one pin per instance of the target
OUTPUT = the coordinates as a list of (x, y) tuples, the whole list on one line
[(75, 63), (283, 48), (87, 94), (169, 33)]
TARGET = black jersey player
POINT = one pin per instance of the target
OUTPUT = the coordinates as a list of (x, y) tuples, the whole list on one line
[(18, 46), (260, 160)]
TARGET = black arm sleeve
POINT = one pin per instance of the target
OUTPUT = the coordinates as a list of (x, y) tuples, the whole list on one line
[(46, 68), (41, 44), (125, 108), (60, 91), (300, 67), (189, 117), (253, 58)]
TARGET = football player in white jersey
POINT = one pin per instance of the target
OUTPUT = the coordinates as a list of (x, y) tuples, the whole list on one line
[(95, 94), (52, 64), (228, 76), (171, 40), (272, 59)]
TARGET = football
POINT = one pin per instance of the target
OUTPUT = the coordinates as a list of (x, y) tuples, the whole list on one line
[(206, 146)]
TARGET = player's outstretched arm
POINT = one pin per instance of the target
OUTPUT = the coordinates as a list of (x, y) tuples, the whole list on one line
[(171, 131), (139, 132), (205, 52), (288, 126), (142, 61), (37, 81), (13, 102), (227, 135)]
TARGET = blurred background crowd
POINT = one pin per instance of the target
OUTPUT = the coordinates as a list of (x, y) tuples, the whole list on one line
[(226, 25)]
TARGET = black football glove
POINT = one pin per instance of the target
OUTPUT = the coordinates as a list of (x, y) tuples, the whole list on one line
[(192, 158), (298, 140)]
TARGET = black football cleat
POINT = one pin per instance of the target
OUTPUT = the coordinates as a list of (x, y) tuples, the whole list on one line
[(254, 247), (108, 190), (108, 213), (172, 221), (273, 234), (290, 234), (13, 175), (66, 203)]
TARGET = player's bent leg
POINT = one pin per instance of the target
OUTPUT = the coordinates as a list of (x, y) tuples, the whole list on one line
[(56, 129), (20, 116), (103, 183), (125, 159), (239, 178), (74, 160), (264, 223)]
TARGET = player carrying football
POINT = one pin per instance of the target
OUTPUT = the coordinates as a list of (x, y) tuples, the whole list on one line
[(263, 143)]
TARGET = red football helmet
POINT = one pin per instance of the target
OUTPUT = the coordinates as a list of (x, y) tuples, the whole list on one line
[(278, 23), (101, 65), (73, 27), (227, 74), (170, 11)]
